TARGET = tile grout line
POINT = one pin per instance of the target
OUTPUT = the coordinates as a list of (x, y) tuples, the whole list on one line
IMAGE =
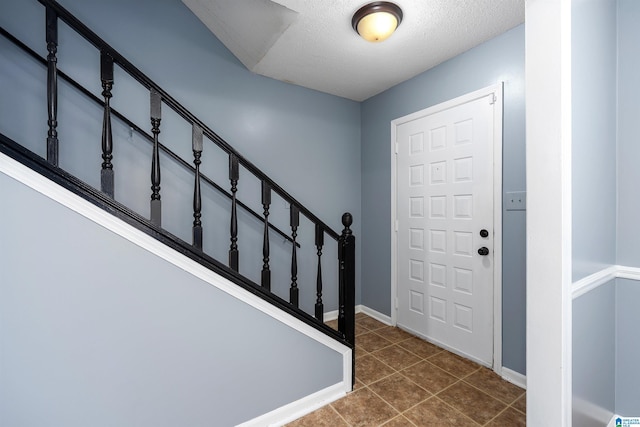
[(447, 388), (416, 354), (399, 415), (431, 395), (497, 415), (397, 370), (516, 409), (454, 408), (340, 415), (379, 336), (447, 372), (399, 411), (482, 391), (381, 398), (490, 395)]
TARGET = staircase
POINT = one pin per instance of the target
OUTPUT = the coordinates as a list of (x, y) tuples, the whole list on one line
[(244, 199)]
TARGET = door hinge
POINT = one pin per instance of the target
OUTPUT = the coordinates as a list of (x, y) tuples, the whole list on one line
[(396, 148), (493, 99), (396, 303), (396, 225)]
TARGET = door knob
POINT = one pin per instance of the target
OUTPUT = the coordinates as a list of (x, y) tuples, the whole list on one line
[(483, 251), (484, 233)]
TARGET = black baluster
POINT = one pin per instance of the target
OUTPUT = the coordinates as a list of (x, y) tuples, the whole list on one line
[(347, 287), (196, 145), (156, 204), (234, 175), (319, 244), (294, 222), (266, 201), (52, 85), (106, 174)]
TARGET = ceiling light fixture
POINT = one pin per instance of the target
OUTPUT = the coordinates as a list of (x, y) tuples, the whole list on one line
[(376, 21)]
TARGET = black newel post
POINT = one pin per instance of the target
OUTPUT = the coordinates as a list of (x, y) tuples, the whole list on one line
[(319, 244), (347, 279), (106, 174), (196, 145), (234, 175), (266, 272), (156, 204), (52, 85), (347, 285), (294, 222)]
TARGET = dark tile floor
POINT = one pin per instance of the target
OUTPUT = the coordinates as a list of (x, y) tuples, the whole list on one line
[(402, 380)]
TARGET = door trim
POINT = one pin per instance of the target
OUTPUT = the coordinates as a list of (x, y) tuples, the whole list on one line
[(497, 90)]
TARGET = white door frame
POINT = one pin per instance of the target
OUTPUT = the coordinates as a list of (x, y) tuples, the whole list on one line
[(497, 208)]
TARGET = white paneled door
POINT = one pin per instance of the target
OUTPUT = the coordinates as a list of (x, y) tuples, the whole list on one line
[(445, 226)]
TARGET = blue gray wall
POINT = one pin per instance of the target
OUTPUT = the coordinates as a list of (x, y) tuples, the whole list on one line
[(606, 353), (594, 57), (606, 230), (594, 356), (146, 343), (307, 141), (628, 237), (594, 135), (498, 60), (627, 348), (628, 145)]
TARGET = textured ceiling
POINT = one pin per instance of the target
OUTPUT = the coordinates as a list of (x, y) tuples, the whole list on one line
[(311, 43)]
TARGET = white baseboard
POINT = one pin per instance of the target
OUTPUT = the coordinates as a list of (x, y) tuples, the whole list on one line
[(375, 314), (297, 409), (593, 412), (514, 377), (612, 422), (332, 315)]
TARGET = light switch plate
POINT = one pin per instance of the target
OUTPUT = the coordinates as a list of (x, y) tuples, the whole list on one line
[(515, 201)]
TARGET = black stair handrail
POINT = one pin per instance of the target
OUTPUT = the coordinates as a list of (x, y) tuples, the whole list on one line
[(136, 128), (105, 197), (167, 99)]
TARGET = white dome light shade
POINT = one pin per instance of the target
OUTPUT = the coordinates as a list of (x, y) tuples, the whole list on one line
[(376, 21)]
